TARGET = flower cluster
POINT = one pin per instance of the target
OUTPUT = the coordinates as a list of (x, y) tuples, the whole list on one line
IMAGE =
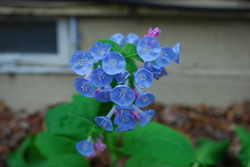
[(89, 148), (107, 78)]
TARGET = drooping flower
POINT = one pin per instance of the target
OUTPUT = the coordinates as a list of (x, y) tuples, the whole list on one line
[(113, 63), (163, 73), (99, 50), (166, 56), (132, 38), (104, 121), (143, 78), (85, 147), (144, 98), (152, 67), (153, 33), (122, 95), (177, 50), (104, 95), (100, 78), (148, 48), (146, 116), (118, 38), (84, 87), (81, 62), (125, 121), (121, 77)]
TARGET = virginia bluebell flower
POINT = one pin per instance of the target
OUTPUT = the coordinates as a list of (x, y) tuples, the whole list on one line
[(124, 108), (152, 67), (177, 50), (104, 121), (121, 77), (113, 63), (163, 73), (143, 78), (146, 116), (99, 50), (81, 62), (165, 57), (125, 121), (144, 98), (132, 38), (85, 147), (104, 95), (118, 38), (148, 48), (84, 87), (122, 95), (100, 78)]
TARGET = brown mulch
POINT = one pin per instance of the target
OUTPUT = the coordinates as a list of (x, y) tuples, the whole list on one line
[(193, 121)]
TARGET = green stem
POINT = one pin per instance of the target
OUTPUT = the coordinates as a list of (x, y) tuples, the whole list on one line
[(248, 165), (196, 164)]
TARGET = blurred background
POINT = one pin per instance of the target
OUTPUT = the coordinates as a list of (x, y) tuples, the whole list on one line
[(39, 37)]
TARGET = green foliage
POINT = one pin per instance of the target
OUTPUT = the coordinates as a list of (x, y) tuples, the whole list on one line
[(46, 150), (131, 52), (162, 144), (74, 120), (244, 154), (210, 152)]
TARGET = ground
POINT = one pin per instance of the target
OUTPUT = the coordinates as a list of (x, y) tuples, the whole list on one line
[(193, 121)]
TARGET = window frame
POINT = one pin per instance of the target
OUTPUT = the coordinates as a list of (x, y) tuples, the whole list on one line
[(66, 35)]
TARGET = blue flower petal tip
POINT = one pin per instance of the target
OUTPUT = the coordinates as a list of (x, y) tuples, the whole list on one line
[(148, 48), (84, 147), (104, 122), (122, 95), (99, 50), (113, 63), (118, 38), (84, 87), (143, 78), (100, 78), (146, 117), (81, 62), (145, 99)]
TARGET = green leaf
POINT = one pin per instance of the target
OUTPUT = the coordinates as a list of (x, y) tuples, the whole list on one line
[(131, 52), (67, 160), (210, 152), (50, 146), (164, 143), (244, 154), (146, 161), (114, 46), (131, 66), (25, 154), (45, 150), (74, 120)]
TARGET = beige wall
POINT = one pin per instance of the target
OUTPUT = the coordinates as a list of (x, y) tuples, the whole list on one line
[(214, 68)]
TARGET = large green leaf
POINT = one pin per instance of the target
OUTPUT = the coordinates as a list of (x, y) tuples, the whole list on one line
[(131, 52), (146, 161), (45, 150), (67, 160), (244, 154), (114, 46), (74, 120), (164, 143), (210, 152)]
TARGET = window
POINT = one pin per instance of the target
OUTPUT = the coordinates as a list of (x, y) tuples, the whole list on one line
[(37, 43)]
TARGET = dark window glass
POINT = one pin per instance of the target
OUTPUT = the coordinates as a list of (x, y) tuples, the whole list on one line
[(28, 37)]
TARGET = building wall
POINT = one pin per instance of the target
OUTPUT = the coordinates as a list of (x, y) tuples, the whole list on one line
[(214, 66)]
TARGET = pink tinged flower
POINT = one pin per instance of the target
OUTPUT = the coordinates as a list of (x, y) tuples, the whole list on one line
[(91, 155), (136, 115), (153, 33), (99, 145)]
